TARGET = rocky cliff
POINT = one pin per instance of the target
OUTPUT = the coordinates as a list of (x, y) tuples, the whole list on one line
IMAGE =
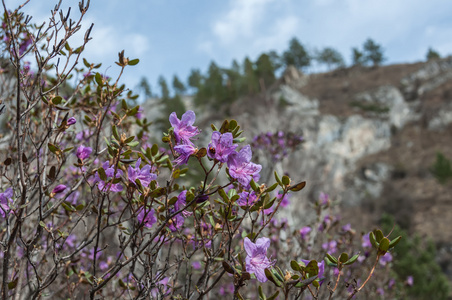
[(371, 136)]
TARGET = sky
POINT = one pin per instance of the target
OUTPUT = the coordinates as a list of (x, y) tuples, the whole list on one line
[(174, 36)]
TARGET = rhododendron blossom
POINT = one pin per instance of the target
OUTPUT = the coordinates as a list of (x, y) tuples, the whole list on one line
[(256, 259), (221, 146), (144, 174), (241, 167), (183, 129), (5, 198)]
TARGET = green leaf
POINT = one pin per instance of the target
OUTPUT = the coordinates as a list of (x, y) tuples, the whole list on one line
[(133, 62), (85, 62), (129, 139), (378, 235), (54, 149), (133, 111), (312, 268), (254, 186), (57, 100), (286, 180), (115, 132), (232, 124), (297, 187), (13, 284), (306, 282), (343, 257), (278, 180), (394, 242), (102, 174), (133, 144), (331, 258), (373, 241), (98, 79), (384, 245), (223, 195), (295, 266), (214, 128), (261, 293), (273, 297), (154, 149), (352, 260), (272, 277), (272, 187)]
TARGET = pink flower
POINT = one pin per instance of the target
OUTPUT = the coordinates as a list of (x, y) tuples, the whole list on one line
[(83, 152), (241, 167), (58, 189), (256, 259), (146, 217), (183, 129), (144, 174), (185, 151), (71, 121), (221, 146), (5, 198)]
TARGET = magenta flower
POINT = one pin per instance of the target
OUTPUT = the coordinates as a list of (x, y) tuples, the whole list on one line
[(330, 247), (58, 189), (304, 232), (247, 198), (144, 174), (181, 202), (185, 151), (256, 259), (183, 129), (5, 199), (324, 198), (241, 167), (110, 172), (221, 146), (71, 121), (83, 152), (146, 217), (385, 259), (409, 281)]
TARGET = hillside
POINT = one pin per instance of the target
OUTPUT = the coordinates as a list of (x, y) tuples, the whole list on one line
[(371, 138)]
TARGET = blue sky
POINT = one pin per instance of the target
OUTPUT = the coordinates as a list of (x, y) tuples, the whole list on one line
[(173, 36)]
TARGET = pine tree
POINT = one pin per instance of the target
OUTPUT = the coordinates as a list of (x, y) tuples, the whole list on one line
[(164, 90), (357, 57), (373, 52), (331, 57), (296, 55), (251, 83), (432, 54), (178, 86), (265, 70)]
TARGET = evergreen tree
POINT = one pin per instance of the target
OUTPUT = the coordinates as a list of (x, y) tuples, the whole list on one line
[(164, 90), (357, 57), (251, 83), (432, 54), (296, 55), (331, 57), (178, 86), (373, 52), (276, 60), (265, 70), (145, 87), (195, 79)]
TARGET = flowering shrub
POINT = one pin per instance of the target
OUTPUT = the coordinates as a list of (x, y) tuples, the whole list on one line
[(90, 208)]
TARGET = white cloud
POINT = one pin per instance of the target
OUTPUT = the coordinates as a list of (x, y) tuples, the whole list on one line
[(241, 21)]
